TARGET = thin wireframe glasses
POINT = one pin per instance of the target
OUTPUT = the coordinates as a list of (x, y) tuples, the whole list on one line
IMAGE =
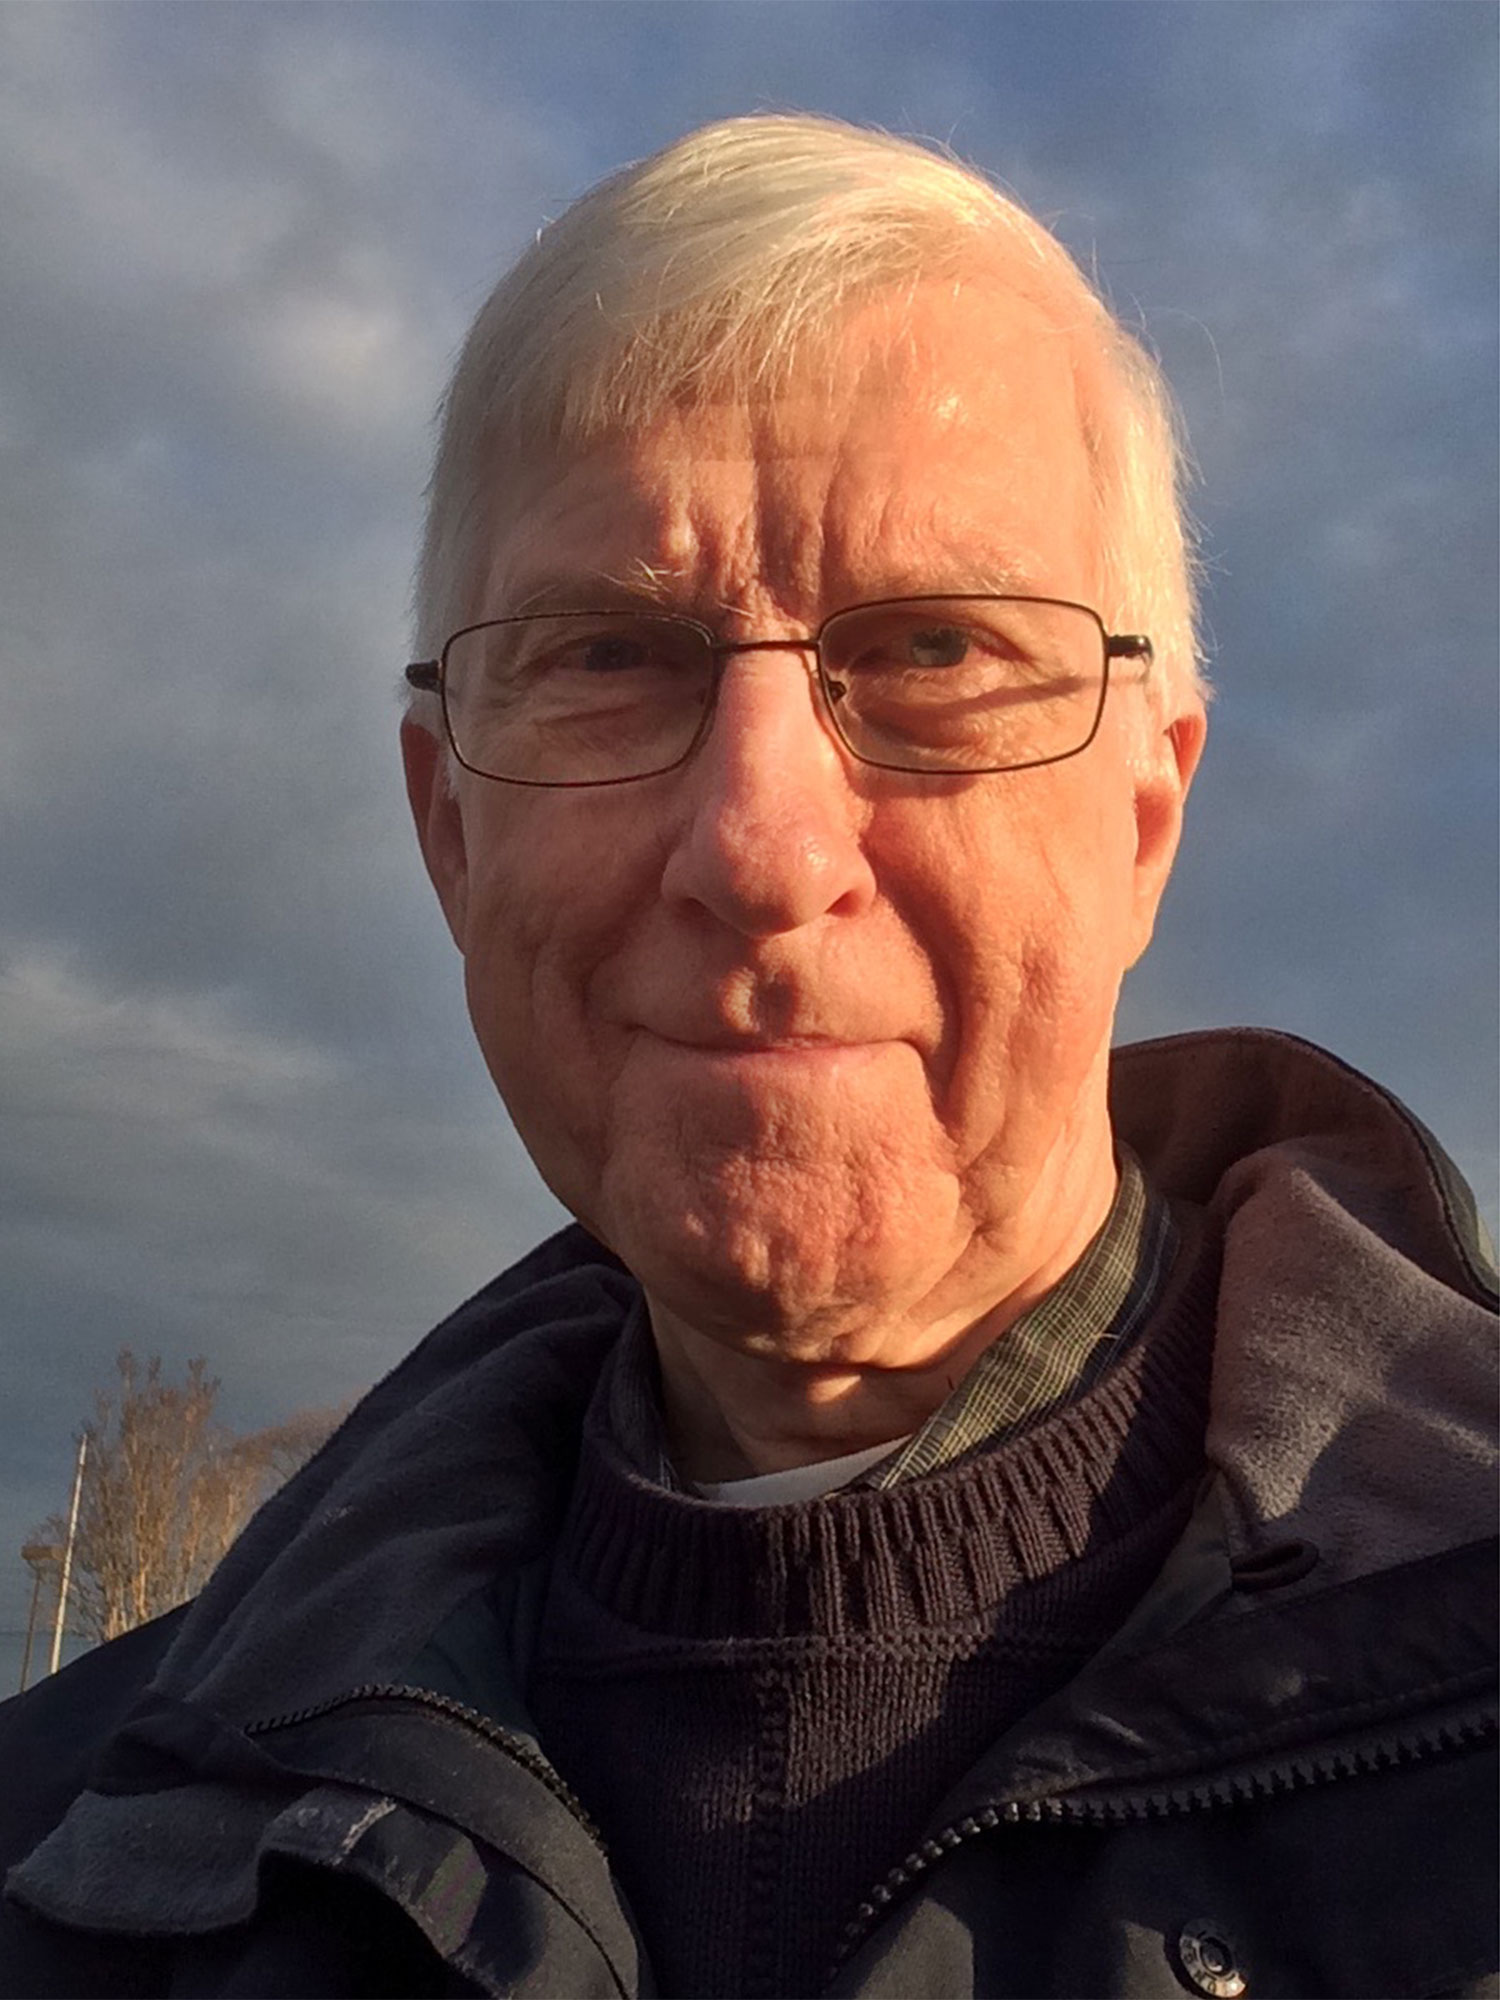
[(946, 685)]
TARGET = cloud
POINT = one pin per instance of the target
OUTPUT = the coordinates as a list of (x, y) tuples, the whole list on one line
[(240, 1112)]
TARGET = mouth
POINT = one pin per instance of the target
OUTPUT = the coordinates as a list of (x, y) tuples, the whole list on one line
[(811, 1055), (729, 1042)]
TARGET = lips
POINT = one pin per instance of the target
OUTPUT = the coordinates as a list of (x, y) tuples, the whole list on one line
[(728, 1041), (760, 1013)]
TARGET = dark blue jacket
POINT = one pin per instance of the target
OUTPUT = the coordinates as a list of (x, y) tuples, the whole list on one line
[(1277, 1779)]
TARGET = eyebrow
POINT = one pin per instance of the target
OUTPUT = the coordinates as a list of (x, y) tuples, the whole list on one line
[(646, 588)]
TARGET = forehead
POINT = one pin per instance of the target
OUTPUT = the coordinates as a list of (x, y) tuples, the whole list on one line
[(936, 443)]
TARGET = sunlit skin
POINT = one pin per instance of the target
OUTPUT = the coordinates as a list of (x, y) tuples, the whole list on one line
[(819, 1050)]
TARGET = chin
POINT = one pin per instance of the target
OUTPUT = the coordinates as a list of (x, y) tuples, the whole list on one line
[(769, 1251)]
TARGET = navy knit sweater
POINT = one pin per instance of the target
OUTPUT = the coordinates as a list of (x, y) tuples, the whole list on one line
[(764, 1708)]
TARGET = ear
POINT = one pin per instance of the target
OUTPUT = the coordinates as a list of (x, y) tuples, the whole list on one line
[(1163, 777), (440, 827)]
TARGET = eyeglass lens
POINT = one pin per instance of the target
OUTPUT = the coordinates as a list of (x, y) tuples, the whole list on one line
[(942, 685)]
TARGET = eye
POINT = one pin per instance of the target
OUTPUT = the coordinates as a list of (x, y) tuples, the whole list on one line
[(634, 649), (937, 646), (612, 653)]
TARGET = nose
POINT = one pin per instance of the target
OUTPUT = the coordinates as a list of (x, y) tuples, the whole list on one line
[(771, 833)]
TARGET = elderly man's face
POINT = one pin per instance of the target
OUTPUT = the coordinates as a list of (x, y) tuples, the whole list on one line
[(817, 1048)]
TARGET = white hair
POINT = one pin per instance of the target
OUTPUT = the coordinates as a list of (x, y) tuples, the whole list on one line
[(715, 267)]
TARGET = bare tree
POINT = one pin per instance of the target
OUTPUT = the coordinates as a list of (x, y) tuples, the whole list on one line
[(282, 1449), (166, 1490)]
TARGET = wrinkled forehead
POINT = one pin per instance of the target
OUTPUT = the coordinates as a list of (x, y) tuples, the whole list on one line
[(937, 442)]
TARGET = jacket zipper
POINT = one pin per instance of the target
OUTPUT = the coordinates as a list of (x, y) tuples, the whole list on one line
[(516, 1747), (1291, 1774), (1241, 1788)]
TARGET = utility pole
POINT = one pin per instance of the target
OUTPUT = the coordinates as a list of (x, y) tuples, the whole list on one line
[(67, 1564), (36, 1555)]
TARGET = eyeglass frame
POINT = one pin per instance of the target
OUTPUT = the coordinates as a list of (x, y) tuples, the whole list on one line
[(430, 677)]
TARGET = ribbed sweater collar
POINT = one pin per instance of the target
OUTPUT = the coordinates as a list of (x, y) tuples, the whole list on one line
[(932, 1551)]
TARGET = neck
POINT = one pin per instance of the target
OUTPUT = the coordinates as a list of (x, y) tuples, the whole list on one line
[(753, 1400)]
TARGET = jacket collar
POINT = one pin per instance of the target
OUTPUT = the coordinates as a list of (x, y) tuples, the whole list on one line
[(1352, 1390)]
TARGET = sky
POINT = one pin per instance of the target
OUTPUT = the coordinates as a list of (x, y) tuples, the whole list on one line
[(240, 1111)]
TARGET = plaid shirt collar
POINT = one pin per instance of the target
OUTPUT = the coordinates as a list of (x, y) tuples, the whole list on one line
[(1051, 1354), (1057, 1348)]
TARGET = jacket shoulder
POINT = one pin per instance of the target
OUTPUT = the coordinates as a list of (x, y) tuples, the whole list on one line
[(51, 1735)]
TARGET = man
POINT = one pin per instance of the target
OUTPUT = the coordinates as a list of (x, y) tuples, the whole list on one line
[(957, 1516)]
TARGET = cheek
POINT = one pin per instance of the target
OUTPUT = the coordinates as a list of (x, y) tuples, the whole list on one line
[(550, 900), (506, 946), (1033, 948)]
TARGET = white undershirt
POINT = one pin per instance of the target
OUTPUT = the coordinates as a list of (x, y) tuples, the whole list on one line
[(798, 1482)]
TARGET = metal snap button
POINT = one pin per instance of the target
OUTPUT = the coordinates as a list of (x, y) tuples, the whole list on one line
[(1207, 1954)]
